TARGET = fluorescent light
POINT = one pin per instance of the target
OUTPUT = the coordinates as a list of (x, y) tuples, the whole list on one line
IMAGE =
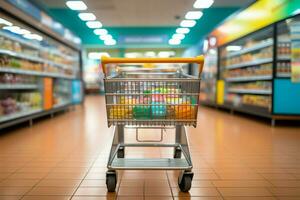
[(178, 36), (110, 42), (101, 31), (166, 54), (193, 15), (105, 37), (234, 48), (182, 30), (76, 5), (205, 45), (5, 22), (174, 41), (29, 36), (188, 23), (203, 3), (150, 54), (94, 24), (97, 55), (87, 16), (133, 55), (16, 29), (33, 37)]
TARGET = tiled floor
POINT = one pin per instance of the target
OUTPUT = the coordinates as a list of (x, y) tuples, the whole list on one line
[(65, 158)]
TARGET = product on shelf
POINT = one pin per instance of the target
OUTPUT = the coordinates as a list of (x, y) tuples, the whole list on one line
[(257, 85), (249, 99), (257, 100), (283, 67), (7, 78), (284, 49), (62, 92), (19, 102), (248, 57), (262, 70)]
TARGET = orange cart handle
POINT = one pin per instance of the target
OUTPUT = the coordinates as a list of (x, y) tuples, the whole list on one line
[(107, 60)]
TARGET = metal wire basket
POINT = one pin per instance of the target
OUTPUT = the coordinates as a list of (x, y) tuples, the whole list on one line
[(162, 96)]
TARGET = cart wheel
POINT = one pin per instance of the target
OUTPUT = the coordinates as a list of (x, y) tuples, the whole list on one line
[(185, 183), (121, 152), (111, 182), (177, 152)]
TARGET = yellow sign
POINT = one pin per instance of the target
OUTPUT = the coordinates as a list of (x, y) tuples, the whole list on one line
[(220, 92)]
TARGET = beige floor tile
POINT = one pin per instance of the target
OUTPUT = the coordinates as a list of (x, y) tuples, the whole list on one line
[(158, 191), (44, 197), (131, 191), (242, 183), (286, 183), (19, 182), (286, 191), (92, 198), (196, 192), (93, 183), (10, 197), (50, 191), (28, 175), (93, 191), (245, 192), (249, 198), (13, 191), (59, 183)]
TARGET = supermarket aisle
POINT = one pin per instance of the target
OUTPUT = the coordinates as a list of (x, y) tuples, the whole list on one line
[(234, 158)]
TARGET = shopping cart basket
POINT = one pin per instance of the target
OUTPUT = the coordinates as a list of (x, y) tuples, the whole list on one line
[(155, 98)]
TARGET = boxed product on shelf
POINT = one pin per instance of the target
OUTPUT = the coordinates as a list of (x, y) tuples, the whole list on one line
[(257, 85), (257, 100), (249, 99), (262, 70)]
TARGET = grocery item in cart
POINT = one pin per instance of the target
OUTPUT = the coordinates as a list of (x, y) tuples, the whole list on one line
[(142, 112)]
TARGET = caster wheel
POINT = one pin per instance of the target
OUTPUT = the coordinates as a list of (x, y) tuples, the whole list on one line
[(121, 152), (177, 152), (111, 182), (185, 183)]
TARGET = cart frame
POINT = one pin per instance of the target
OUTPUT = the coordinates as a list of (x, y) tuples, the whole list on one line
[(117, 160)]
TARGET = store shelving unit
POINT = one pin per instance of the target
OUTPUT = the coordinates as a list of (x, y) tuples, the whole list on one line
[(254, 74), (36, 76), (209, 78)]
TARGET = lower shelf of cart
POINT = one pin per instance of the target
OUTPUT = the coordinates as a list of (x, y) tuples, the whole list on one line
[(150, 163)]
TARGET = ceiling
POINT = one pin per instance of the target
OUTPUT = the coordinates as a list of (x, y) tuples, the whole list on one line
[(141, 17)]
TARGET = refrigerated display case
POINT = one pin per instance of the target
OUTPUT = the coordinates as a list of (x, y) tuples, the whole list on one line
[(29, 61), (246, 68), (255, 72), (209, 78)]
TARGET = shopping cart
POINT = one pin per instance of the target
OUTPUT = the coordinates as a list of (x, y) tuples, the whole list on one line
[(151, 98)]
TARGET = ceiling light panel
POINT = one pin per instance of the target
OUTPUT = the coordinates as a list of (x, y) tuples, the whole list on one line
[(94, 24), (203, 3), (87, 16), (174, 41), (193, 15), (76, 5), (178, 36), (101, 31), (106, 37), (188, 23), (110, 42), (182, 30)]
